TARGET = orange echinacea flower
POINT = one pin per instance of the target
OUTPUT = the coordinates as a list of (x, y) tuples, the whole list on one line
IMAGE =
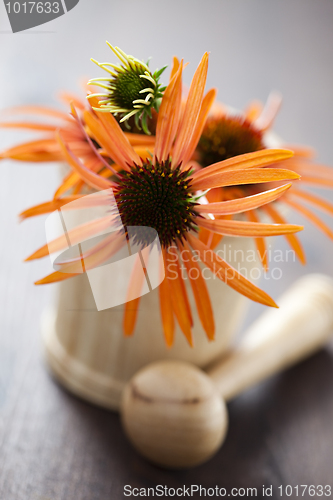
[(164, 192), (228, 134)]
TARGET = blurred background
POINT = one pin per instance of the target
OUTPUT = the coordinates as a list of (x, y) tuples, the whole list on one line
[(56, 447)]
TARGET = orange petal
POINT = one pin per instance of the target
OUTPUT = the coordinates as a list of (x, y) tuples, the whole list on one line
[(271, 109), (49, 206), (178, 294), (308, 168), (315, 200), (175, 67), (243, 228), (168, 116), (54, 278), (68, 98), (140, 139), (186, 301), (191, 113), (106, 172), (200, 291), (130, 316), (144, 151), (92, 179), (242, 204), (219, 109), (132, 306), (98, 132), (259, 242), (73, 178), (253, 111), (256, 159), (300, 150), (213, 239), (239, 177), (291, 238), (68, 182), (94, 256), (318, 181), (39, 110), (166, 312), (116, 136), (49, 145), (310, 216), (35, 157), (228, 274), (90, 260), (262, 252), (78, 188), (30, 126), (205, 108), (90, 142), (204, 235), (76, 235), (210, 239)]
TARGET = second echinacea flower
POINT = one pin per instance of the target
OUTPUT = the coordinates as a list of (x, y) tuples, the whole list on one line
[(131, 89)]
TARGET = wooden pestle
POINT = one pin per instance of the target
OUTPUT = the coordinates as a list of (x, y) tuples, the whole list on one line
[(174, 413)]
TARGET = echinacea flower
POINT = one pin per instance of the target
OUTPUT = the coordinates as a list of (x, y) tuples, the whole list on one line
[(228, 134), (47, 148), (164, 192), (131, 89)]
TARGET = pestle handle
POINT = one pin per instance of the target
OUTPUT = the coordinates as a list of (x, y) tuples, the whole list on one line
[(302, 325)]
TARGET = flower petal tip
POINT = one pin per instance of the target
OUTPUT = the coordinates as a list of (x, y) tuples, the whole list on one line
[(190, 341), (128, 333), (289, 153), (40, 282)]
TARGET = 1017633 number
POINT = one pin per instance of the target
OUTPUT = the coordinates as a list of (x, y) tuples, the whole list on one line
[(32, 7), (305, 490)]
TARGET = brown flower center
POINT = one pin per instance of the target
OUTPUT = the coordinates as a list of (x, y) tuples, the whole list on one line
[(227, 136)]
